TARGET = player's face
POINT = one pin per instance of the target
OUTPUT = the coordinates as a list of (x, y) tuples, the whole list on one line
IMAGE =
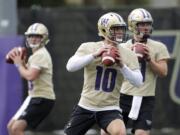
[(145, 27), (117, 32), (34, 39)]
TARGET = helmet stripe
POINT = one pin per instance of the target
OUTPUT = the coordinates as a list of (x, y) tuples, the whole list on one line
[(34, 27), (148, 14), (145, 13), (120, 19), (142, 11)]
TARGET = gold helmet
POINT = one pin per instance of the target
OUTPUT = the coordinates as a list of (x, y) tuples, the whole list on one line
[(109, 21), (136, 16), (37, 29)]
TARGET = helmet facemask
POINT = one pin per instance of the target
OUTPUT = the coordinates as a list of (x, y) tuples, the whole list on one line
[(44, 40), (117, 34), (143, 34)]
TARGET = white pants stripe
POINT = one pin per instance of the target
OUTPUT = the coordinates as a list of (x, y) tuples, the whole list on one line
[(22, 108)]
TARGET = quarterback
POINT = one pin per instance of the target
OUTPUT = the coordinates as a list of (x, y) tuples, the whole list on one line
[(138, 103), (38, 72), (99, 102)]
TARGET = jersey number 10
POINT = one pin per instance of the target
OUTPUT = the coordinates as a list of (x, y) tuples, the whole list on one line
[(105, 79)]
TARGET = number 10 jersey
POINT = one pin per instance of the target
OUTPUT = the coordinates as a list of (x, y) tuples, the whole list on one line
[(101, 88)]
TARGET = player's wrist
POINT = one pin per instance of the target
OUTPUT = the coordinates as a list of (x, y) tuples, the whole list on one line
[(18, 65), (121, 65), (148, 59), (94, 55)]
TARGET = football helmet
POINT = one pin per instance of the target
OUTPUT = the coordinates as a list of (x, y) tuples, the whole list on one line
[(136, 16), (38, 29), (109, 21)]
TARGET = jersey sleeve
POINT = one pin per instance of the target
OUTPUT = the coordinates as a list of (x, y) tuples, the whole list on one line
[(162, 53), (83, 49)]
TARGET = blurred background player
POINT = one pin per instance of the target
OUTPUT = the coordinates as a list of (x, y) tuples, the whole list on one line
[(38, 72), (138, 103), (99, 102)]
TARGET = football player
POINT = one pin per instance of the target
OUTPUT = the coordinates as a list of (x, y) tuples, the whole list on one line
[(99, 102), (38, 72), (138, 103)]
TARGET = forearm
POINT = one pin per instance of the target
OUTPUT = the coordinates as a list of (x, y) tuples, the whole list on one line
[(133, 76), (23, 71), (76, 62), (159, 68), (28, 73)]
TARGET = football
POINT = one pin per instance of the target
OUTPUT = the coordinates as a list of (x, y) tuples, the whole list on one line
[(139, 50), (109, 57), (20, 49)]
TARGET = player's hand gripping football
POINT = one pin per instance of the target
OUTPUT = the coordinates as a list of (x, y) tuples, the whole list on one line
[(147, 56), (17, 55), (100, 51), (118, 58), (142, 51)]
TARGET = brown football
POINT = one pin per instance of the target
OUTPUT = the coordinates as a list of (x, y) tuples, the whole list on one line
[(21, 49), (139, 50), (109, 57)]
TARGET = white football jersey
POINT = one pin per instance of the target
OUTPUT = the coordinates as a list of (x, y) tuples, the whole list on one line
[(42, 86), (158, 51), (101, 88)]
